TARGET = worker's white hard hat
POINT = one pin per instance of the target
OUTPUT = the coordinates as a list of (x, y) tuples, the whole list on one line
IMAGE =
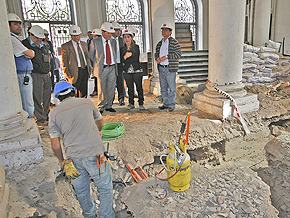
[(97, 32), (13, 17), (166, 25), (116, 26), (37, 31), (133, 29), (126, 31), (75, 30), (108, 27)]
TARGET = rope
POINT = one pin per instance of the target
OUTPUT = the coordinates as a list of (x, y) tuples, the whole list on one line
[(112, 131), (235, 106)]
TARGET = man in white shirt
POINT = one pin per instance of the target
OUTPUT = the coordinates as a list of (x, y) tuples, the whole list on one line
[(23, 63)]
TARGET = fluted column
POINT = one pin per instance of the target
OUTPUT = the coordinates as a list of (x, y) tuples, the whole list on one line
[(226, 38), (19, 137)]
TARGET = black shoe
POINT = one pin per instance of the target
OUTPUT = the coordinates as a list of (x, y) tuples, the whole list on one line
[(121, 102), (111, 109), (101, 111), (135, 96), (170, 109), (162, 107)]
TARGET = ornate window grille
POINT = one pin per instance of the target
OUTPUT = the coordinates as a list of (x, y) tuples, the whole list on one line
[(46, 10), (185, 12), (57, 13), (127, 13)]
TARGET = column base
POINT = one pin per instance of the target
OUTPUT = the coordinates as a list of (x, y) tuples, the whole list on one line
[(21, 149), (222, 107), (155, 86)]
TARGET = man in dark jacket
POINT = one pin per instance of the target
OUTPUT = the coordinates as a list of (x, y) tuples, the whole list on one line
[(40, 74)]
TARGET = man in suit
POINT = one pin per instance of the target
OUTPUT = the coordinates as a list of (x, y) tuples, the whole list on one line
[(76, 62), (103, 55), (120, 78)]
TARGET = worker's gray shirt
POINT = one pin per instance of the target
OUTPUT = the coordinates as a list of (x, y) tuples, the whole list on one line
[(74, 119)]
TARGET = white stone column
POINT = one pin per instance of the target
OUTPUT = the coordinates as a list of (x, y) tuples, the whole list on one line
[(280, 23), (19, 137), (161, 11), (261, 27), (226, 38)]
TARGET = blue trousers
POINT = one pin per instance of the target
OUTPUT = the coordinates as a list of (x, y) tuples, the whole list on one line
[(103, 180), (26, 93), (168, 86)]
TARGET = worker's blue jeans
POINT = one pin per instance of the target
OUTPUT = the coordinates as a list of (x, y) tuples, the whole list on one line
[(168, 86), (88, 167), (26, 93)]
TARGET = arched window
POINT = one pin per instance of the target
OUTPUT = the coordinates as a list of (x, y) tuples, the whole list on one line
[(127, 13), (186, 16), (53, 15)]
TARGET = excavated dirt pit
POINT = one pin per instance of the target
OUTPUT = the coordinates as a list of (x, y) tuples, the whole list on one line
[(232, 174)]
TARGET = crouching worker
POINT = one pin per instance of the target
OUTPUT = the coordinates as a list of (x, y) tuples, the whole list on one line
[(80, 124)]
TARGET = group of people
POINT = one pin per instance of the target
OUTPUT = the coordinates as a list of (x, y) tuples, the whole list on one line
[(111, 56), (77, 119), (34, 61)]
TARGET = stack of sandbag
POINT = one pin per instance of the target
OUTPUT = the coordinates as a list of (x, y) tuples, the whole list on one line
[(262, 65)]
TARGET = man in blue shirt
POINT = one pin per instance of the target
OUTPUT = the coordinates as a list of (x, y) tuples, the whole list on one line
[(23, 63)]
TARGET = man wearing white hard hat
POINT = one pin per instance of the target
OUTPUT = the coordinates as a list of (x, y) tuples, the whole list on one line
[(167, 56), (23, 64), (103, 54), (96, 34), (40, 74), (76, 62), (120, 79)]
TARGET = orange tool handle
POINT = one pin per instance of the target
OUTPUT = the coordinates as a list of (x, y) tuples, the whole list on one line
[(99, 160), (187, 128)]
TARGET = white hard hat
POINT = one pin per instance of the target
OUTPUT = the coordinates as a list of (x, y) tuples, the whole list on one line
[(166, 25), (108, 27), (13, 17), (75, 30), (116, 26), (45, 31), (126, 31), (133, 29), (97, 32), (37, 31)]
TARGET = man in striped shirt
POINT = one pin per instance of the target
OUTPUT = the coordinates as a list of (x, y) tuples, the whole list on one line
[(167, 55)]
